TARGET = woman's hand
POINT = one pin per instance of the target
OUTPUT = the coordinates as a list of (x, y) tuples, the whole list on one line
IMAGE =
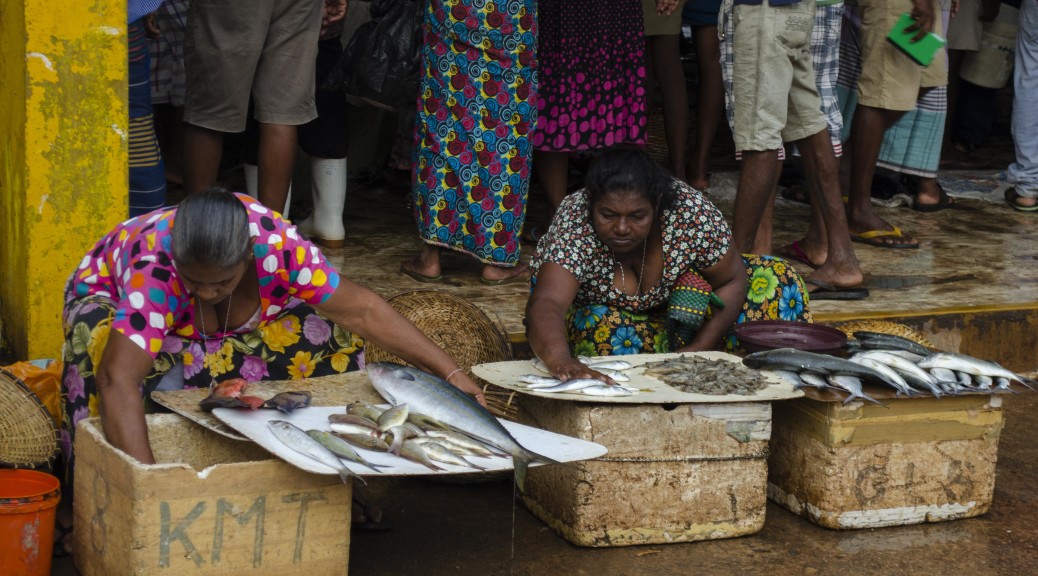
[(461, 380), (572, 369)]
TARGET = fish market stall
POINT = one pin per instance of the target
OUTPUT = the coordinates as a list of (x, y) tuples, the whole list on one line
[(908, 442), (216, 504), (681, 466)]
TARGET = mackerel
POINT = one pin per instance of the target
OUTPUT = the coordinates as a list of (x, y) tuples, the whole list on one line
[(296, 439), (610, 365), (969, 365), (912, 373), (394, 416), (851, 385), (607, 390), (369, 411), (538, 380), (434, 397), (880, 340), (814, 380), (800, 361), (790, 377), (893, 377), (342, 448), (440, 453), (414, 452)]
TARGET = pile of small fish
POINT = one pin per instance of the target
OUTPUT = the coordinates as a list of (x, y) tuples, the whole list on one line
[(393, 430), (230, 394), (892, 361), (697, 375), (612, 368)]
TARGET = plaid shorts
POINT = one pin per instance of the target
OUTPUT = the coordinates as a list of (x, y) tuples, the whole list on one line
[(825, 56)]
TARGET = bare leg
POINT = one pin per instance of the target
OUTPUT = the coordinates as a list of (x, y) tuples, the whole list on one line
[(551, 168), (866, 137), (277, 158), (762, 241), (756, 183), (840, 266), (709, 107), (670, 77), (202, 150)]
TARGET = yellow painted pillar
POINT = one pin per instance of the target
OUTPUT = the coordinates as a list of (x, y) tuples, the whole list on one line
[(63, 155)]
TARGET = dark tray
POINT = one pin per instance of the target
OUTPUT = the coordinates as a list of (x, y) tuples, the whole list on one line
[(771, 334)]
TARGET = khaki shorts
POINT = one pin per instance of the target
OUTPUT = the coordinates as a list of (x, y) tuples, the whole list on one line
[(773, 80), (890, 80), (660, 25), (263, 48)]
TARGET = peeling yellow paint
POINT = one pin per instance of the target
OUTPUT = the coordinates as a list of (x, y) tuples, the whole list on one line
[(63, 155)]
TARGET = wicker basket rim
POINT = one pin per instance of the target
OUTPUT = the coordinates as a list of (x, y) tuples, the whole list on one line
[(28, 432)]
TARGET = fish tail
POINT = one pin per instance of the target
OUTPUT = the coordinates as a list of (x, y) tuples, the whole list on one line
[(1029, 382), (522, 462), (345, 475)]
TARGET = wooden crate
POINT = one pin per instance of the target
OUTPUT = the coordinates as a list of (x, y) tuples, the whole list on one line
[(866, 466), (212, 505), (674, 473)]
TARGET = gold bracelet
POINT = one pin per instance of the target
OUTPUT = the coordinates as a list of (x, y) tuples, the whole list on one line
[(447, 378)]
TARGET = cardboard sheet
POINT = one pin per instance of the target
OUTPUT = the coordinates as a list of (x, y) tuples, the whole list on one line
[(651, 389), (253, 425)]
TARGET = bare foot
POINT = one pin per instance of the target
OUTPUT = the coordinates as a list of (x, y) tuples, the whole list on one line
[(500, 274), (862, 224), (698, 181), (839, 274)]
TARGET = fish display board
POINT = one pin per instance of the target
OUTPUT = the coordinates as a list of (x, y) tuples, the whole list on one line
[(253, 425), (651, 390)]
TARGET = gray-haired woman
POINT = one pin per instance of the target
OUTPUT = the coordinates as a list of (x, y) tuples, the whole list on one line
[(219, 287)]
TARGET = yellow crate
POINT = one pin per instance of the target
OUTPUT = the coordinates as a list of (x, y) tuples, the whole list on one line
[(866, 466), (674, 473), (212, 505)]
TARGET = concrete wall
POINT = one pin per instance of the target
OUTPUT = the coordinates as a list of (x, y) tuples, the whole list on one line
[(63, 155)]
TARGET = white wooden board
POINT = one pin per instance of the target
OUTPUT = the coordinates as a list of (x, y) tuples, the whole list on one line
[(253, 425), (651, 389)]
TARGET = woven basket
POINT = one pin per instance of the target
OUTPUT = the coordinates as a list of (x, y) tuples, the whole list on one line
[(884, 327), (463, 330), (28, 434)]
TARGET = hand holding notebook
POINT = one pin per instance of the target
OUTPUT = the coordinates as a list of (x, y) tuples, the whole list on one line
[(909, 34)]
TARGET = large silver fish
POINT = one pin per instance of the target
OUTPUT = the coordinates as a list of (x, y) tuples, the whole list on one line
[(296, 439), (970, 365), (912, 373), (434, 397), (800, 362)]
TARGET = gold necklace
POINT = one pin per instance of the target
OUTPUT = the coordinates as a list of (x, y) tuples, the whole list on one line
[(205, 338), (641, 273)]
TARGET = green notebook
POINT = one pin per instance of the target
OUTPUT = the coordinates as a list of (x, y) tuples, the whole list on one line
[(922, 51)]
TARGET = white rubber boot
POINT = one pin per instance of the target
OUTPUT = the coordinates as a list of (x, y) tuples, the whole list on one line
[(328, 184), (251, 172)]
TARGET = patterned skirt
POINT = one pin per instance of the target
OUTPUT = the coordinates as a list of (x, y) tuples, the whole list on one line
[(775, 292), (475, 112), (298, 344), (592, 75)]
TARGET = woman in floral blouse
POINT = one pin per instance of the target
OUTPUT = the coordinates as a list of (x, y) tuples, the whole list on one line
[(607, 268), (219, 287)]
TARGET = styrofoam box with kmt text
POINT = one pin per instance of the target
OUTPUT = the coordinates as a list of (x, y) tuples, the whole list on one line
[(211, 505)]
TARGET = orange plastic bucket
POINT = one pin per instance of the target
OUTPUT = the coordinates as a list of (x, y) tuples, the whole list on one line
[(28, 501)]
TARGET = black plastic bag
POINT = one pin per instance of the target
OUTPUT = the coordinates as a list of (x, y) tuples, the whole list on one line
[(380, 62)]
